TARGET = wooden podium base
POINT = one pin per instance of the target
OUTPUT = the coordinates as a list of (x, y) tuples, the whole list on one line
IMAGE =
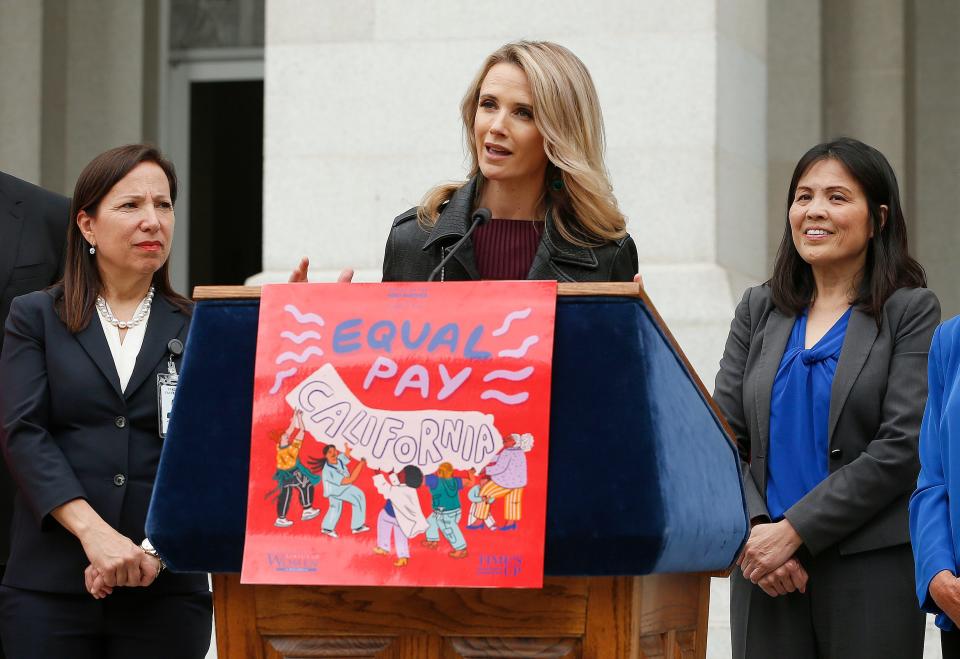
[(589, 617)]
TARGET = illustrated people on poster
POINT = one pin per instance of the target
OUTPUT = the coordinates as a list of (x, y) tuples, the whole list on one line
[(401, 518), (445, 496), (338, 488), (292, 475), (473, 496), (508, 477)]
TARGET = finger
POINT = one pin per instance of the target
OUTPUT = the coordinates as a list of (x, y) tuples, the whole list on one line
[(768, 589), (135, 566), (346, 276), (124, 576), (778, 586), (89, 576), (786, 584), (758, 573), (109, 577), (796, 579), (638, 279), (299, 273), (100, 587), (149, 570)]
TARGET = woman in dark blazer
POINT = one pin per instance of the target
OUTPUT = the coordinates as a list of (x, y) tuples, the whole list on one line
[(823, 381), (78, 396)]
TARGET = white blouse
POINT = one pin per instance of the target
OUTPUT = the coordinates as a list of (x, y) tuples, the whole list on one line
[(125, 353)]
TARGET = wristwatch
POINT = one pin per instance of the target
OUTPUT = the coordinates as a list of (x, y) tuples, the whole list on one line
[(148, 549)]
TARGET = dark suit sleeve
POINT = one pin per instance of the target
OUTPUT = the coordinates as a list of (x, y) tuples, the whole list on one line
[(728, 394), (626, 263), (58, 215), (888, 467), (44, 477)]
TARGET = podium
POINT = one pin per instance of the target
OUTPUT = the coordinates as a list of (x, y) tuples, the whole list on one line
[(644, 502)]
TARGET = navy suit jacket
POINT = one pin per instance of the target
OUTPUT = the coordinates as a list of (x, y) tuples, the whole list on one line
[(71, 433), (33, 231)]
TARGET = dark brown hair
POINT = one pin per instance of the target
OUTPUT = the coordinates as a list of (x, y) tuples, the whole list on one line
[(81, 278), (889, 265)]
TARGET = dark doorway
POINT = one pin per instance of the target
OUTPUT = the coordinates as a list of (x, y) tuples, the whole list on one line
[(226, 181)]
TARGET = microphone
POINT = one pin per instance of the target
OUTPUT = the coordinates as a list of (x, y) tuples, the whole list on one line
[(480, 216)]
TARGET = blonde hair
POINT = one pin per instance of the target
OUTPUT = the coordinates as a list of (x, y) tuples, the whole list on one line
[(566, 111)]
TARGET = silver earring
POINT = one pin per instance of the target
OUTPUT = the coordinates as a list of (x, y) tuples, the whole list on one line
[(93, 250)]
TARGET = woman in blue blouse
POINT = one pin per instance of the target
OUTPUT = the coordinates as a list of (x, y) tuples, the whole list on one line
[(935, 506), (823, 380)]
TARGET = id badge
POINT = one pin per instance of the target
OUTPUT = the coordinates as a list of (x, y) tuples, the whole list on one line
[(166, 388)]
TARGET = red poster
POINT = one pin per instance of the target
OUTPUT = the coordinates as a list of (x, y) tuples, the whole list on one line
[(400, 434)]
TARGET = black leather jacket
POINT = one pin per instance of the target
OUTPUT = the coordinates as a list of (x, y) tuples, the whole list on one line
[(413, 252)]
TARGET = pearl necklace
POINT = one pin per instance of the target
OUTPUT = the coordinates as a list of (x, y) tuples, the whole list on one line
[(142, 310)]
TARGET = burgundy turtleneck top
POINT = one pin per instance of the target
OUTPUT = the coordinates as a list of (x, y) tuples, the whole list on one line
[(504, 249)]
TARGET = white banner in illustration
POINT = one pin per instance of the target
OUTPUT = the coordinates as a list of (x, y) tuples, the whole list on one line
[(390, 439)]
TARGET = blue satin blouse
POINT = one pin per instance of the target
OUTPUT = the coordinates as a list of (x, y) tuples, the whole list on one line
[(799, 415)]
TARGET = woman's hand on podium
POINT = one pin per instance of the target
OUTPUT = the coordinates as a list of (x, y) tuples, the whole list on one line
[(299, 274), (638, 279)]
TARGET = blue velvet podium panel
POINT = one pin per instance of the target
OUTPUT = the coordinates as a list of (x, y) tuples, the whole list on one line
[(642, 477)]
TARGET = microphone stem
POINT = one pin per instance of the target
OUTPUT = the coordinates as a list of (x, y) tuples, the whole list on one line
[(477, 221)]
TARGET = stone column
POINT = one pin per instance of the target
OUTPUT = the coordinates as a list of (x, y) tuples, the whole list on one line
[(794, 103), (934, 111), (104, 82), (21, 41), (864, 76)]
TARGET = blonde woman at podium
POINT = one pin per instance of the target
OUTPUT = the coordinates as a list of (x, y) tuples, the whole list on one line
[(823, 381), (537, 203), (80, 373)]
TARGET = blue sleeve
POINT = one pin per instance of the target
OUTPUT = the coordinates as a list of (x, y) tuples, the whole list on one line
[(431, 481), (929, 515)]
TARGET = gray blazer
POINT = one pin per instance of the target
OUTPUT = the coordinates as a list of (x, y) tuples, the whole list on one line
[(876, 405)]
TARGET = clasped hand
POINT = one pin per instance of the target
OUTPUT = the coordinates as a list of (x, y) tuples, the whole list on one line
[(115, 561), (767, 559)]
